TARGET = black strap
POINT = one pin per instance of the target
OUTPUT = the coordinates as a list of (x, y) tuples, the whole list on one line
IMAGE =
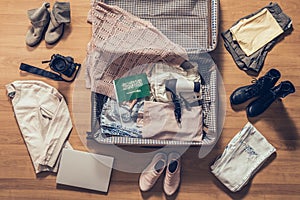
[(45, 73), (41, 72)]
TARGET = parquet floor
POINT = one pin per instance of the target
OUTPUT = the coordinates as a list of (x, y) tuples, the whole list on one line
[(278, 179)]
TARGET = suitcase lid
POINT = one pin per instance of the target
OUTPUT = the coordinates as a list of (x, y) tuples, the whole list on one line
[(193, 24)]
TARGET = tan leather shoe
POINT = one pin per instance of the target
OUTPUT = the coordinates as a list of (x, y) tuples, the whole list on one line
[(172, 178), (152, 172)]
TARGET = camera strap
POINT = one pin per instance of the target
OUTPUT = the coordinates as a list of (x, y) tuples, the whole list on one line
[(41, 72), (45, 73)]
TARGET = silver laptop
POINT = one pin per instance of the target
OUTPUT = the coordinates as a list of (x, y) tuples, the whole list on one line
[(85, 170)]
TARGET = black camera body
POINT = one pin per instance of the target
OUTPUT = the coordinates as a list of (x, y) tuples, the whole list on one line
[(63, 65)]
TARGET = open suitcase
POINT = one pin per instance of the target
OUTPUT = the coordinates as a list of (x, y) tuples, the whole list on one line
[(193, 25)]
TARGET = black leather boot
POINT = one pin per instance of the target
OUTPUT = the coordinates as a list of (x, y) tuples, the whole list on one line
[(263, 84), (259, 105)]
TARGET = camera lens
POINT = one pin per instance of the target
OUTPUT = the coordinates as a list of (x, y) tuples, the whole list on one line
[(59, 64)]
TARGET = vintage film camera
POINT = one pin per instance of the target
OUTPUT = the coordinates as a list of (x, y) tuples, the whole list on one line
[(63, 65)]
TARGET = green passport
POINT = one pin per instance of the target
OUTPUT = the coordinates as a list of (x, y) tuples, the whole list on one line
[(132, 87)]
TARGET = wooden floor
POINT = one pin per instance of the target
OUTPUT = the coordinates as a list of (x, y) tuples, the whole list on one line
[(278, 179)]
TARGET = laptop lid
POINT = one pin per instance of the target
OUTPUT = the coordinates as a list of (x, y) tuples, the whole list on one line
[(85, 170)]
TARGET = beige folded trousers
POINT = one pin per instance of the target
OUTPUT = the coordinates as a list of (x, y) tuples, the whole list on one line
[(44, 120), (242, 158), (255, 32)]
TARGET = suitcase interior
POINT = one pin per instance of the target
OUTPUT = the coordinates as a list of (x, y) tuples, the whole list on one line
[(195, 28)]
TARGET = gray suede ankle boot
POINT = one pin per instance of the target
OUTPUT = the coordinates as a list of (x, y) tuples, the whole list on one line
[(39, 19), (60, 15)]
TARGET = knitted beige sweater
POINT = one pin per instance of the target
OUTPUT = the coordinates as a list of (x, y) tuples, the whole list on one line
[(121, 41)]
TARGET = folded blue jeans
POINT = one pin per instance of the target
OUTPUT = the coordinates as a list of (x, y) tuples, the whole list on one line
[(121, 120)]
